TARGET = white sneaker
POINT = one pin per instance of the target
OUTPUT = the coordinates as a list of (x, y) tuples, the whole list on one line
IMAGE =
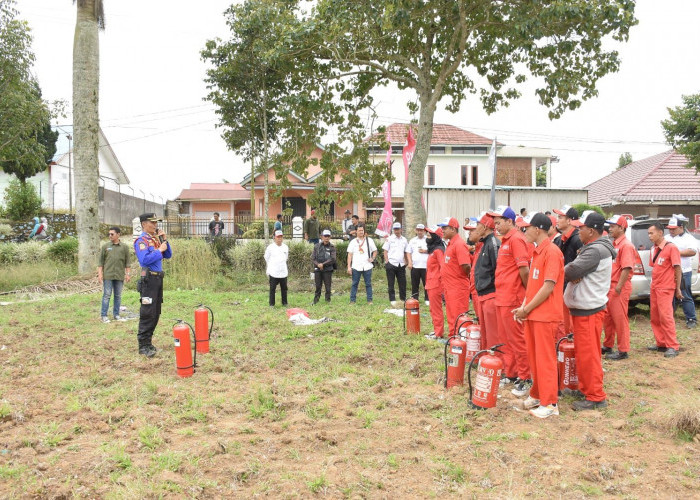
[(545, 411), (105, 319), (119, 318), (431, 336), (531, 403), (427, 302), (394, 303)]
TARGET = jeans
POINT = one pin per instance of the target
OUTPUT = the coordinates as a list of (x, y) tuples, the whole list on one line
[(397, 273), (687, 301), (356, 281), (108, 286)]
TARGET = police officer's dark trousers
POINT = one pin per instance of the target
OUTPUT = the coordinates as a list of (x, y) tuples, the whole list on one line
[(323, 278), (151, 300)]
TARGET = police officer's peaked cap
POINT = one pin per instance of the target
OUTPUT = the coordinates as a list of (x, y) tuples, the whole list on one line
[(149, 217)]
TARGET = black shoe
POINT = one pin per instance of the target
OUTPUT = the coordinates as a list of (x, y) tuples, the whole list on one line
[(617, 356), (588, 405), (691, 323), (148, 350), (574, 394), (671, 353), (656, 348), (605, 350)]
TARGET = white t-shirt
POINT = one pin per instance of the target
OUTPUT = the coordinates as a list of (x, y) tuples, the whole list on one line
[(420, 260), (276, 257), (396, 249), (361, 253), (684, 241)]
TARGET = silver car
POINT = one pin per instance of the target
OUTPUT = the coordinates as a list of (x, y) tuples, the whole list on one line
[(641, 273)]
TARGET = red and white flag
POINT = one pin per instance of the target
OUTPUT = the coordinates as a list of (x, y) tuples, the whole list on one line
[(387, 218), (408, 149)]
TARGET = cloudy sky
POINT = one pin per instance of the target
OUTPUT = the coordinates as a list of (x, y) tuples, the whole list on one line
[(164, 134)]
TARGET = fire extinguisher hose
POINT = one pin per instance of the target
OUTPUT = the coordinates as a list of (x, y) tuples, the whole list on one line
[(194, 359), (457, 320), (211, 324)]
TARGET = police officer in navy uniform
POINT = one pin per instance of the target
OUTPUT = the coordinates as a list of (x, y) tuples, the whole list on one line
[(151, 248)]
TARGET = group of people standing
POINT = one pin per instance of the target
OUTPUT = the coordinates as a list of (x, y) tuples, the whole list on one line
[(544, 276)]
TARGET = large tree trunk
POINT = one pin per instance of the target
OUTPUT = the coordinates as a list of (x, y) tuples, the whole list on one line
[(252, 182), (86, 78), (266, 167), (413, 206)]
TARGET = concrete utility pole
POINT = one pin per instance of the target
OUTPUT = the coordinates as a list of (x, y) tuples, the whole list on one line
[(70, 174)]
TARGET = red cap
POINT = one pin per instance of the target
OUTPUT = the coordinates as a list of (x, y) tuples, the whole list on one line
[(449, 221), (313, 212), (487, 221), (619, 220)]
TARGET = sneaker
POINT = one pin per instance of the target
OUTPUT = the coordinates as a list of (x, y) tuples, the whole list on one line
[(522, 388), (105, 319), (147, 350), (531, 403), (119, 318), (655, 347), (617, 356), (605, 350), (427, 303), (574, 394), (507, 381), (394, 303), (671, 353), (369, 302), (588, 405), (691, 323), (442, 340), (431, 336), (545, 411)]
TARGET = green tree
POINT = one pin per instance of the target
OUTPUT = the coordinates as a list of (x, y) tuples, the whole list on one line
[(625, 159), (86, 95), (541, 176), (682, 129), (24, 116), (453, 48), (21, 200)]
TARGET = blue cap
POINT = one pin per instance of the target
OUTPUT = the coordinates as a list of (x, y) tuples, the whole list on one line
[(502, 211)]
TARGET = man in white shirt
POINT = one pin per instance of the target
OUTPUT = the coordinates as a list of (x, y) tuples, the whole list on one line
[(276, 255), (395, 258), (361, 254), (418, 250), (688, 246)]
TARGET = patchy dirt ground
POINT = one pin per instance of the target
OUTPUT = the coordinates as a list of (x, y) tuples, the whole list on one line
[(343, 409)]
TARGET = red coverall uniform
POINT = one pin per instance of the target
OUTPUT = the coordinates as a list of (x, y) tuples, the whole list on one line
[(510, 294), (663, 258), (542, 323), (616, 320), (455, 281), (433, 284)]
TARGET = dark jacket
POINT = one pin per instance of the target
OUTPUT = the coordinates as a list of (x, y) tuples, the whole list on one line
[(325, 255), (570, 247), (485, 269)]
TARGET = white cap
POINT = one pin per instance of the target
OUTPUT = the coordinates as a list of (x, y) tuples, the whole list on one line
[(326, 232), (279, 233), (420, 226), (397, 225)]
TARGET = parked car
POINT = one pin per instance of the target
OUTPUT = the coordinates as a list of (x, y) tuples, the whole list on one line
[(641, 273)]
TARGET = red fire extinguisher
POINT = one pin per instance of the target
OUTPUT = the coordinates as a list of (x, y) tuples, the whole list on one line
[(184, 362), (484, 394), (202, 335), (566, 363), (455, 362), (411, 316), (472, 335), (462, 321)]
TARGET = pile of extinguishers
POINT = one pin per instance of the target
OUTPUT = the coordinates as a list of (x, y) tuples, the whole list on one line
[(464, 346), (185, 359)]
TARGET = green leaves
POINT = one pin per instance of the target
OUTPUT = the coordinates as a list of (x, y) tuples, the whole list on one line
[(682, 129)]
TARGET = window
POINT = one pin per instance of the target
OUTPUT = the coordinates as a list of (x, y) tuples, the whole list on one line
[(464, 175), (431, 175), (437, 150), (469, 150), (475, 175)]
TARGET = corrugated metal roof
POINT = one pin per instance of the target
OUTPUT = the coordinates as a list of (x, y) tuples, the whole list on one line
[(662, 177)]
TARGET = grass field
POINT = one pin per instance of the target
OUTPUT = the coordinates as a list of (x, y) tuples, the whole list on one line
[(348, 408)]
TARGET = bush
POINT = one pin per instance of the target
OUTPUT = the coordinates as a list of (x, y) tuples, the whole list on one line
[(255, 230), (5, 230), (31, 251), (220, 246), (299, 262), (64, 250), (193, 264), (8, 253), (21, 200), (248, 257), (582, 207)]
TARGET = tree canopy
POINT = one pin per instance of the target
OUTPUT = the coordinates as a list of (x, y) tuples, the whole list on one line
[(682, 129), (26, 140), (625, 159)]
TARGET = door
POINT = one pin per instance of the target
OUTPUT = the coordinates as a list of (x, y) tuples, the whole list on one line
[(297, 204)]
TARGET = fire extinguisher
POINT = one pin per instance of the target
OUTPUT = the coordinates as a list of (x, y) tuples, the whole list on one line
[(484, 394), (201, 322), (462, 319), (455, 362), (566, 363), (472, 334), (411, 323), (184, 362)]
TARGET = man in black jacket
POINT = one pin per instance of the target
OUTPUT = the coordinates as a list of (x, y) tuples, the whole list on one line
[(485, 281), (324, 259), (569, 243)]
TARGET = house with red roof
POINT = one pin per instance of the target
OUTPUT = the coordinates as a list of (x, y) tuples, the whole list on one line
[(201, 200), (460, 158), (658, 186)]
